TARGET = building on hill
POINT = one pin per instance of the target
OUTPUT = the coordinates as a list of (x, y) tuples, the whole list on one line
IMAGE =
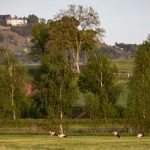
[(4, 19), (8, 20), (17, 22)]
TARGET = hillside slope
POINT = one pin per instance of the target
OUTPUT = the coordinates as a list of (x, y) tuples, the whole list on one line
[(19, 45)]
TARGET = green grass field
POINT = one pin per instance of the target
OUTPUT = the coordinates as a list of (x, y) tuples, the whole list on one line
[(125, 65), (45, 142)]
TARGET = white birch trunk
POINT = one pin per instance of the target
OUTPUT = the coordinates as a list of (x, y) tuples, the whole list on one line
[(12, 94), (77, 62), (61, 113)]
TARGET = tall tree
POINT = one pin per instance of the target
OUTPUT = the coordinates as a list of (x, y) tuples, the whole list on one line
[(98, 79), (138, 104), (77, 29), (11, 85), (57, 84), (33, 19), (40, 34)]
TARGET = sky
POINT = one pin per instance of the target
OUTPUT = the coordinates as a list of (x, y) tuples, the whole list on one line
[(124, 21)]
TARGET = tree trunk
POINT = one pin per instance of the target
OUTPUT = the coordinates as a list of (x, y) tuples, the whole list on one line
[(77, 62), (12, 94), (61, 112), (12, 102), (61, 126), (101, 74)]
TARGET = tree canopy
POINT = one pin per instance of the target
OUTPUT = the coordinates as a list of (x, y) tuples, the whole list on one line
[(40, 34), (12, 79), (98, 79), (138, 104)]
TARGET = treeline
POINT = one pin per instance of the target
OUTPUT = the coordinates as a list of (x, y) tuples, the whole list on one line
[(58, 45), (127, 47)]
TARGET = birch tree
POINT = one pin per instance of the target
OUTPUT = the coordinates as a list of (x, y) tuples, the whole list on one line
[(57, 85), (78, 29), (98, 79), (11, 85)]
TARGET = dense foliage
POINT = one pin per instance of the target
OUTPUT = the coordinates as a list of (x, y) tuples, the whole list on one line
[(138, 106), (12, 79), (98, 79)]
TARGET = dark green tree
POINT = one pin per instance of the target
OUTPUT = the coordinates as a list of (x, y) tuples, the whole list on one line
[(57, 84), (98, 79), (33, 19), (138, 104), (40, 34)]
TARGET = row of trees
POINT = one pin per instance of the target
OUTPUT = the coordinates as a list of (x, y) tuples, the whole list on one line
[(59, 45)]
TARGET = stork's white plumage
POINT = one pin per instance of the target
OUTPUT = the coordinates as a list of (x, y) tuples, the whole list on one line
[(116, 134), (52, 133), (139, 135), (61, 135)]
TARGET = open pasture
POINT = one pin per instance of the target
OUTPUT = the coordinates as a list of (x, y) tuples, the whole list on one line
[(45, 142), (124, 65)]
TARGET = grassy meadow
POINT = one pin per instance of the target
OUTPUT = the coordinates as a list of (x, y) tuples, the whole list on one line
[(45, 142), (124, 65), (12, 140)]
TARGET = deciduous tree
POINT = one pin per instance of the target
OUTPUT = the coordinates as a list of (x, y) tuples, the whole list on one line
[(40, 34), (12, 77), (57, 84), (98, 79), (138, 104), (77, 29)]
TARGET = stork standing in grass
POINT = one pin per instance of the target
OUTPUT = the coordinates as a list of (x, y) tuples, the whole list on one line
[(62, 135), (116, 134), (139, 136), (52, 133)]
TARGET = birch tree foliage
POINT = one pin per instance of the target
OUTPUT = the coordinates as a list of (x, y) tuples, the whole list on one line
[(12, 77), (98, 79), (77, 29), (56, 83)]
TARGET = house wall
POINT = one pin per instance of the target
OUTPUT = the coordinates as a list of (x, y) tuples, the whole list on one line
[(17, 22)]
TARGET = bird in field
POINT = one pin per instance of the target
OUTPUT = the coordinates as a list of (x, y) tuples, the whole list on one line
[(62, 135), (52, 133), (139, 135), (116, 134)]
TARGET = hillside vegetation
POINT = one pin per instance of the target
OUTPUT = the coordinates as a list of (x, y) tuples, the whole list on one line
[(17, 44)]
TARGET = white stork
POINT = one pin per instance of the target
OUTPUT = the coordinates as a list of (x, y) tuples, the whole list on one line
[(52, 133), (116, 134), (62, 135), (139, 135)]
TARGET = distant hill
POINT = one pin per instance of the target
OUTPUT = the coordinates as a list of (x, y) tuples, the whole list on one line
[(19, 45), (130, 48), (120, 51)]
